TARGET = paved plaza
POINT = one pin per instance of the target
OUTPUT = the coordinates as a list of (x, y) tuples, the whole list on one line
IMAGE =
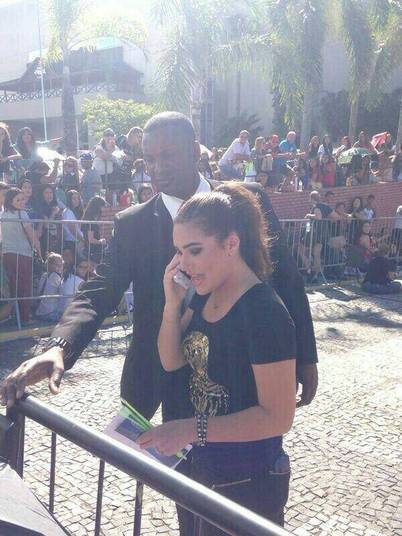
[(345, 447)]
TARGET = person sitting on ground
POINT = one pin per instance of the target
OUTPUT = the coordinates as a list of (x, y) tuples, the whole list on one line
[(369, 211), (49, 285), (237, 153), (380, 274), (91, 182)]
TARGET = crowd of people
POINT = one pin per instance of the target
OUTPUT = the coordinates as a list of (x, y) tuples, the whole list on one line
[(42, 194), (40, 254), (281, 166)]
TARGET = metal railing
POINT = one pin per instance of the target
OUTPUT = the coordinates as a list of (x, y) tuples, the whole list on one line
[(230, 517), (57, 92), (328, 248)]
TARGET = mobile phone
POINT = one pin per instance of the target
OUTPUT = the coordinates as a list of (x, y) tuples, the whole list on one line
[(181, 279)]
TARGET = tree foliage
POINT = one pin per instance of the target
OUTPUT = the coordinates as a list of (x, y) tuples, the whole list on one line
[(233, 125), (120, 115)]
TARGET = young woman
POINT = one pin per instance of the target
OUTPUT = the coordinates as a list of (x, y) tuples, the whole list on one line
[(105, 162), (18, 242), (313, 146), (327, 171), (46, 208), (356, 215), (236, 342), (49, 285), (326, 147), (94, 244), (71, 175), (74, 211), (26, 187), (7, 152), (145, 193)]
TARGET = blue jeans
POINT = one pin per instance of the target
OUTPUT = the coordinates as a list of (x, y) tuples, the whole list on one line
[(393, 287), (230, 171)]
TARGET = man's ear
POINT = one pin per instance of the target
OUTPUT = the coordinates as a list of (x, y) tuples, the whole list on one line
[(197, 151)]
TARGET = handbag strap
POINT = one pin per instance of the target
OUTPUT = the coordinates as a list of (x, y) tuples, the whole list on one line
[(25, 232)]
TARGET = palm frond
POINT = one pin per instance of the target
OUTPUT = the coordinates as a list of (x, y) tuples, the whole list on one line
[(176, 73), (359, 43)]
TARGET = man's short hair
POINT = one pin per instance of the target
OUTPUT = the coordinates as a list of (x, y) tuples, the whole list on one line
[(244, 132), (174, 120), (370, 196), (327, 194)]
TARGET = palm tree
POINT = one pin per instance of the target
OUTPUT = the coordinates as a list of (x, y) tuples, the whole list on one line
[(73, 25), (386, 22), (190, 30)]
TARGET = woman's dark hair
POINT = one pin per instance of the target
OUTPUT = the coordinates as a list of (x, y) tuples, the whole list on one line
[(7, 139), (11, 193), (359, 233), (21, 147), (232, 208), (352, 203), (40, 205), (78, 211), (23, 181), (94, 208)]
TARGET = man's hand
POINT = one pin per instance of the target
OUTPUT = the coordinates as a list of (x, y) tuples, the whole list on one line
[(48, 365), (307, 376)]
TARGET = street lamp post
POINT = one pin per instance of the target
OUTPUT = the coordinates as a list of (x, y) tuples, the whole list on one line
[(42, 85)]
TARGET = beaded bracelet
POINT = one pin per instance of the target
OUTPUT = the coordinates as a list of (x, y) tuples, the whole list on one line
[(202, 427)]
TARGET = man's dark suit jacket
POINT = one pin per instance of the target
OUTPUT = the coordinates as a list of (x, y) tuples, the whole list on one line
[(141, 248)]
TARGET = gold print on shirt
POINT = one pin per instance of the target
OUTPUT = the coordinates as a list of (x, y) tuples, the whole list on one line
[(207, 396)]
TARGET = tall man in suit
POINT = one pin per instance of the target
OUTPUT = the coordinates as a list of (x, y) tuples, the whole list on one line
[(142, 246)]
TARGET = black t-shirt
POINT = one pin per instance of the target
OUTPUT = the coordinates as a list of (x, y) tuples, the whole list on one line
[(377, 271), (257, 330)]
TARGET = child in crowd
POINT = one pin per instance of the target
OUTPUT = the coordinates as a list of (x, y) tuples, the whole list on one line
[(91, 182), (49, 285), (71, 284)]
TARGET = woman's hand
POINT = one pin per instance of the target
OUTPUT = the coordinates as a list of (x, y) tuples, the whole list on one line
[(174, 293), (169, 438)]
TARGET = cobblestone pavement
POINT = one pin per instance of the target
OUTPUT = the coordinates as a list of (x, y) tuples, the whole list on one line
[(345, 447)]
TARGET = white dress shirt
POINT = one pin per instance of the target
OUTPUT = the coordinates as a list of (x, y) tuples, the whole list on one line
[(174, 203)]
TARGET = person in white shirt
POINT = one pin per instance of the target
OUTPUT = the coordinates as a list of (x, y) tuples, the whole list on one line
[(237, 152), (3, 189), (49, 285), (72, 233), (71, 283)]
